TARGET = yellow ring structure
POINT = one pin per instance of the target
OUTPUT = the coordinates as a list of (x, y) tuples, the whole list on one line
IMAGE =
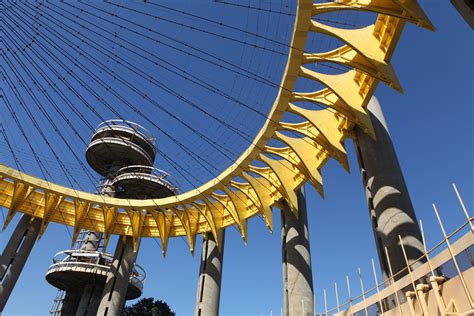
[(224, 201)]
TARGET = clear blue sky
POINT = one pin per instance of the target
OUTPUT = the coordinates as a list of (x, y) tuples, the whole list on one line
[(431, 126)]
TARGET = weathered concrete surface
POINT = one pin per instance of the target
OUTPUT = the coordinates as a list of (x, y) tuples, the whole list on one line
[(115, 290), (15, 254), (210, 277), (298, 295), (89, 299), (71, 301), (390, 206)]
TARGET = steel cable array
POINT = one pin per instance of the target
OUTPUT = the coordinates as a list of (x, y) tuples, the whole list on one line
[(99, 60), (70, 72)]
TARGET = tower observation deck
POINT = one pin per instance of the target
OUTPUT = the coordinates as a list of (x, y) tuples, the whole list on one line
[(123, 153), (117, 144)]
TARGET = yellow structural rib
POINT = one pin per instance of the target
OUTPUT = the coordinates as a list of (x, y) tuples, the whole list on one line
[(245, 190)]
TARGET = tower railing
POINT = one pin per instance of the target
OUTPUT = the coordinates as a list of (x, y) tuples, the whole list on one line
[(160, 175), (94, 261), (128, 125)]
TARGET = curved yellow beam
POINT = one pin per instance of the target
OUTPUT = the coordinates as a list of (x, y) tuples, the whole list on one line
[(244, 190)]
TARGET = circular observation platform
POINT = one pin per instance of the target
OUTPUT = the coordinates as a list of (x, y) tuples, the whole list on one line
[(117, 143), (74, 268), (142, 182)]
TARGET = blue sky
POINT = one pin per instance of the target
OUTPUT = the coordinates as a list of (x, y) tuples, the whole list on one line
[(431, 126)]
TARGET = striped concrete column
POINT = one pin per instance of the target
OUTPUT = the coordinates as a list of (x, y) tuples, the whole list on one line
[(15, 254), (298, 295), (390, 207), (210, 277)]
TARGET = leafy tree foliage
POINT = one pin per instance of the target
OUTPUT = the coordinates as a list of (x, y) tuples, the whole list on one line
[(148, 307)]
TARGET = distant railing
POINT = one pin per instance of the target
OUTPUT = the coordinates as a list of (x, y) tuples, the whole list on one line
[(393, 288), (160, 175), (458, 263), (129, 125)]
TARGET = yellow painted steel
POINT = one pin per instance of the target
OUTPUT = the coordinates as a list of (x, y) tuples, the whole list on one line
[(227, 200)]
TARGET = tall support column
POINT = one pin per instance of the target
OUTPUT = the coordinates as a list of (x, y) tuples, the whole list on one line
[(390, 207), (71, 301), (115, 289), (298, 295), (210, 277), (91, 241), (89, 300), (15, 254)]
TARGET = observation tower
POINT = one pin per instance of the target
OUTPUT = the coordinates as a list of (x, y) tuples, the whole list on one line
[(122, 153)]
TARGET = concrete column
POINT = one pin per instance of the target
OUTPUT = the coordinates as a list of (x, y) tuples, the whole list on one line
[(210, 277), (115, 289), (15, 254), (91, 241), (70, 302), (298, 295), (390, 207), (466, 10), (89, 300)]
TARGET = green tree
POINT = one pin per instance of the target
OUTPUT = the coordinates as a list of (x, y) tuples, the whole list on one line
[(148, 307)]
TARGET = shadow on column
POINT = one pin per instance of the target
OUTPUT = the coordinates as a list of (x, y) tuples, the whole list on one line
[(210, 277), (390, 207), (16, 254), (296, 258)]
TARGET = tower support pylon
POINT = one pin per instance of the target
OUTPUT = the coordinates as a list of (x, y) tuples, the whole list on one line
[(210, 277), (298, 294), (71, 301), (89, 299), (390, 206), (118, 277), (15, 254)]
